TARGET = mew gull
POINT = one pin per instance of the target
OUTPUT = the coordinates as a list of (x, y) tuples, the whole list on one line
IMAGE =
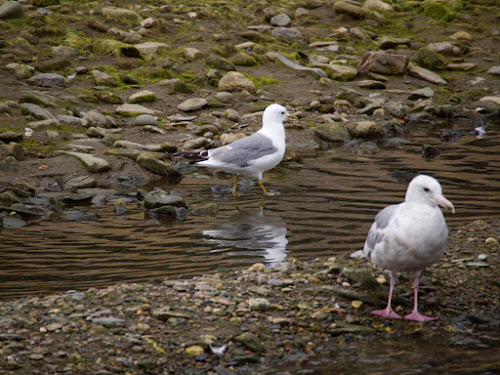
[(253, 155), (409, 236)]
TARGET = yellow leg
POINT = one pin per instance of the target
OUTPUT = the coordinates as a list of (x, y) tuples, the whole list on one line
[(235, 186), (263, 188)]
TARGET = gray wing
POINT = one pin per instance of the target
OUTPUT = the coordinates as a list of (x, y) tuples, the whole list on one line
[(243, 151), (377, 230)]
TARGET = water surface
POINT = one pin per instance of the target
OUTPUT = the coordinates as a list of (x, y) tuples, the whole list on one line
[(326, 207)]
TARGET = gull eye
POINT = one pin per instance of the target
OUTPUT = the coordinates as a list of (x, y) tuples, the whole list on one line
[(282, 113), (426, 189)]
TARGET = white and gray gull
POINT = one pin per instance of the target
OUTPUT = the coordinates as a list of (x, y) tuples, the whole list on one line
[(408, 237), (253, 155)]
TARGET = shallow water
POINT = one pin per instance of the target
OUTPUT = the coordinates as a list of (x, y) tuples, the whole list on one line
[(326, 207)]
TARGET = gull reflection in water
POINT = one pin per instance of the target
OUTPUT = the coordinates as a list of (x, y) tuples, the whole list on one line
[(250, 235)]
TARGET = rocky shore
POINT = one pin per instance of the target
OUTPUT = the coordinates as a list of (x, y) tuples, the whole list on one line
[(288, 319), (100, 95)]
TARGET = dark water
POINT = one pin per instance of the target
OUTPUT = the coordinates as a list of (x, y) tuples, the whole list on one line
[(325, 208)]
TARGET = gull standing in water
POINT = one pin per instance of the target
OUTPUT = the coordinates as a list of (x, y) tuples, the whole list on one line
[(409, 236), (253, 155)]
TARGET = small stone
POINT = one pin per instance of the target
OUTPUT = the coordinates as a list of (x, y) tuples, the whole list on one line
[(194, 104), (287, 34), (145, 96), (157, 166), (158, 198), (333, 131), (341, 73), (461, 35), (356, 304), (36, 111), (11, 9), (257, 267), (103, 78), (367, 130), (228, 138), (134, 110), (258, 304), (235, 81), (251, 342), (424, 93), (92, 163), (281, 20), (145, 120), (47, 80), (194, 350), (495, 70)]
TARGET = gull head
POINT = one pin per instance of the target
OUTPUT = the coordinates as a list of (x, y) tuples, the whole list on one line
[(427, 188), (276, 113)]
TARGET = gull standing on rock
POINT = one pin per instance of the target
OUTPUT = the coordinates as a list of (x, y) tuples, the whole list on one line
[(409, 236), (253, 155)]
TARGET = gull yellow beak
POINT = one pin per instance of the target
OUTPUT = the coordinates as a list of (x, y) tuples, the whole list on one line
[(293, 117)]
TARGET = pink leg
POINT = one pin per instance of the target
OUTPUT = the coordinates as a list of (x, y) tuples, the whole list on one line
[(415, 315), (388, 312)]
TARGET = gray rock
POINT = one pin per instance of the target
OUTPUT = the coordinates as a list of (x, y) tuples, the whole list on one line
[(145, 119), (367, 130), (109, 322), (16, 150), (158, 198), (134, 110), (426, 75), (145, 96), (36, 111), (40, 98), (22, 71), (383, 63), (333, 131), (103, 78), (259, 304), (92, 163), (319, 73), (287, 34), (424, 93), (231, 114), (371, 84), (224, 96), (251, 342), (378, 5), (351, 9), (80, 182), (389, 43), (151, 48), (122, 16), (445, 48), (65, 52), (125, 36), (193, 104), (235, 81), (96, 118), (157, 166), (11, 9), (12, 221), (281, 20), (341, 73), (10, 136), (54, 63), (193, 144), (47, 80), (495, 70), (429, 59), (72, 120), (220, 63)]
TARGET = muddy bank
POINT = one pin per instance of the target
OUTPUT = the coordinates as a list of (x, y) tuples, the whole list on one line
[(296, 318)]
